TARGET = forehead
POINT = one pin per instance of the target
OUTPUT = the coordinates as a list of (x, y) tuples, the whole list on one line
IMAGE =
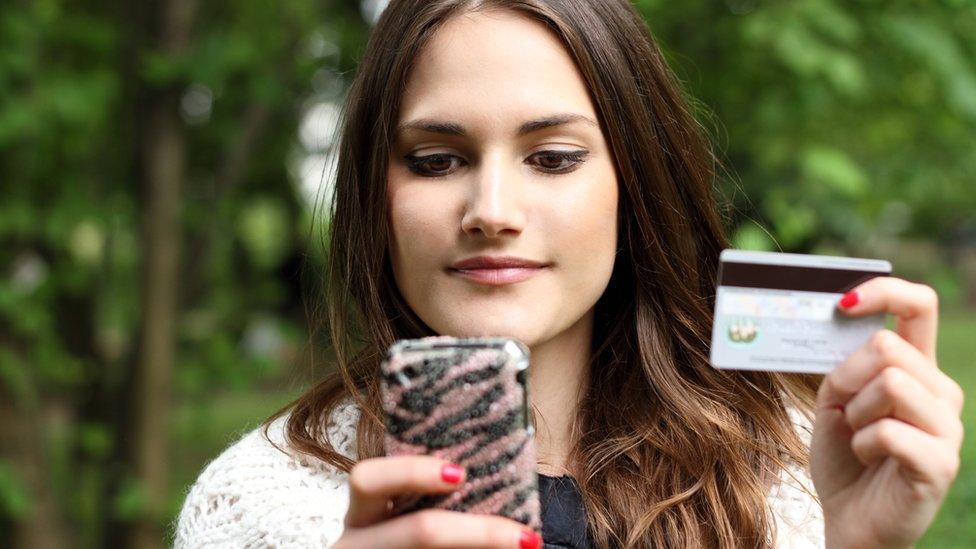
[(493, 63)]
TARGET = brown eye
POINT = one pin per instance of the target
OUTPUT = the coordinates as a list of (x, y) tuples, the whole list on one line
[(439, 164), (559, 161), (551, 161), (433, 165)]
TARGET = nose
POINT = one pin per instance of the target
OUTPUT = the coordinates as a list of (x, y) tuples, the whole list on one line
[(495, 202)]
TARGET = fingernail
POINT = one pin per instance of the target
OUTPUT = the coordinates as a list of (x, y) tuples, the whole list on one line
[(530, 540), (850, 299), (451, 473)]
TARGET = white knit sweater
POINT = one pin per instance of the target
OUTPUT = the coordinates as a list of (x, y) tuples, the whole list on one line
[(253, 495)]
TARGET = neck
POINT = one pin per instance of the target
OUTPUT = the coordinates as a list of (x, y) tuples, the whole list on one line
[(558, 377)]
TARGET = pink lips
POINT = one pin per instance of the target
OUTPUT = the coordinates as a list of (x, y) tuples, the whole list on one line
[(497, 269)]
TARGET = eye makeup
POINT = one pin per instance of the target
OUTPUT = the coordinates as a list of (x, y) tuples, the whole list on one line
[(568, 161)]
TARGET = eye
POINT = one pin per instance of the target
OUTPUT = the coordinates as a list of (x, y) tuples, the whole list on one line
[(432, 165), (559, 161), (441, 164)]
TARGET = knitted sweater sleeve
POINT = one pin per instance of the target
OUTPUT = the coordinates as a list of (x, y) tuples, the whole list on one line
[(255, 495)]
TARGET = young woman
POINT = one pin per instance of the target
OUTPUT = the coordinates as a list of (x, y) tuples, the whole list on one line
[(528, 168)]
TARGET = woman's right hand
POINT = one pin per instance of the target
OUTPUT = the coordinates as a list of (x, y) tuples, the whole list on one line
[(369, 523)]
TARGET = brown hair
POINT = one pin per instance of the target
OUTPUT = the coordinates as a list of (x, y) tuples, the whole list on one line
[(670, 451)]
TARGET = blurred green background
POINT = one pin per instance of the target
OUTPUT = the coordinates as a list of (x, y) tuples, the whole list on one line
[(161, 162)]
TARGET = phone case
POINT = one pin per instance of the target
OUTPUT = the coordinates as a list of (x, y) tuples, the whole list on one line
[(464, 400)]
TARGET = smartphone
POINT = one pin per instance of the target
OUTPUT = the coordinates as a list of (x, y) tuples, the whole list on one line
[(464, 400)]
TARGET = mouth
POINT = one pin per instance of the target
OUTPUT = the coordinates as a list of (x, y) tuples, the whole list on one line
[(496, 270), (508, 275)]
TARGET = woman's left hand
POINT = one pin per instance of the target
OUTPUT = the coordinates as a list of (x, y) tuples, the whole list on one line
[(887, 434)]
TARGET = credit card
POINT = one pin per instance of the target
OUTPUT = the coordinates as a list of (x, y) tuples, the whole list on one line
[(778, 311)]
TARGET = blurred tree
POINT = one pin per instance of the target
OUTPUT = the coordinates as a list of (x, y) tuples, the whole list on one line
[(164, 172), (845, 123), (145, 149)]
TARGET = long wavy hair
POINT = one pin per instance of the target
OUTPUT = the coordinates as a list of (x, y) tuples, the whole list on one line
[(670, 451)]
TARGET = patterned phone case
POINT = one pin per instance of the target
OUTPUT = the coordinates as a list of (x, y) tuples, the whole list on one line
[(464, 400)]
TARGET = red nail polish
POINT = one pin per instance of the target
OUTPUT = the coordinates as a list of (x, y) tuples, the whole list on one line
[(529, 540), (850, 299), (451, 473)]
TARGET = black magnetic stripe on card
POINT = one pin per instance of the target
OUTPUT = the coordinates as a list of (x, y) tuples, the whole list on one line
[(792, 277)]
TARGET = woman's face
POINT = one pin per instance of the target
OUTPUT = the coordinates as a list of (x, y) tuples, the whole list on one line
[(499, 153)]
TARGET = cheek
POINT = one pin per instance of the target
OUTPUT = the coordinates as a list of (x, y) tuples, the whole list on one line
[(416, 226), (588, 239), (592, 226)]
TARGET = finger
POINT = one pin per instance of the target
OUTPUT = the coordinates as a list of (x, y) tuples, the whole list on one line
[(923, 457), (896, 394), (372, 482), (834, 466), (439, 528), (884, 349), (915, 305)]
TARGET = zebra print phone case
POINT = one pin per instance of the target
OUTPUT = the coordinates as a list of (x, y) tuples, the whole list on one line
[(464, 400)]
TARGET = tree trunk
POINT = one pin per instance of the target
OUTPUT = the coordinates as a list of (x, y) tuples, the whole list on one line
[(22, 446), (165, 162)]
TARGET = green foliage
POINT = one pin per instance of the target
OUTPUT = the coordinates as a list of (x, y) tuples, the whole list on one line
[(831, 110), (15, 500), (264, 229), (752, 237), (77, 84), (130, 500)]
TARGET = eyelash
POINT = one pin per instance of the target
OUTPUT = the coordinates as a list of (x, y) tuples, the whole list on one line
[(416, 163)]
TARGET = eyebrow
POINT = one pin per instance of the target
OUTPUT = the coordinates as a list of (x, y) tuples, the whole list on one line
[(452, 128)]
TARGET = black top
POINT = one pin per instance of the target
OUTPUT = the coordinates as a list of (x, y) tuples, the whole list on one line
[(563, 513)]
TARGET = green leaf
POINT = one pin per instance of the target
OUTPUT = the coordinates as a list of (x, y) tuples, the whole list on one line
[(95, 439), (751, 237), (937, 48), (831, 20), (15, 499), (834, 168), (794, 223), (160, 70), (15, 377), (130, 501), (264, 229)]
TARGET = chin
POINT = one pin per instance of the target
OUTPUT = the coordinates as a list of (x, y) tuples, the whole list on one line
[(525, 334)]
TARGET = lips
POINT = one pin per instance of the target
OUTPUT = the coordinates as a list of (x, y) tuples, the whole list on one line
[(497, 269), (497, 262)]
